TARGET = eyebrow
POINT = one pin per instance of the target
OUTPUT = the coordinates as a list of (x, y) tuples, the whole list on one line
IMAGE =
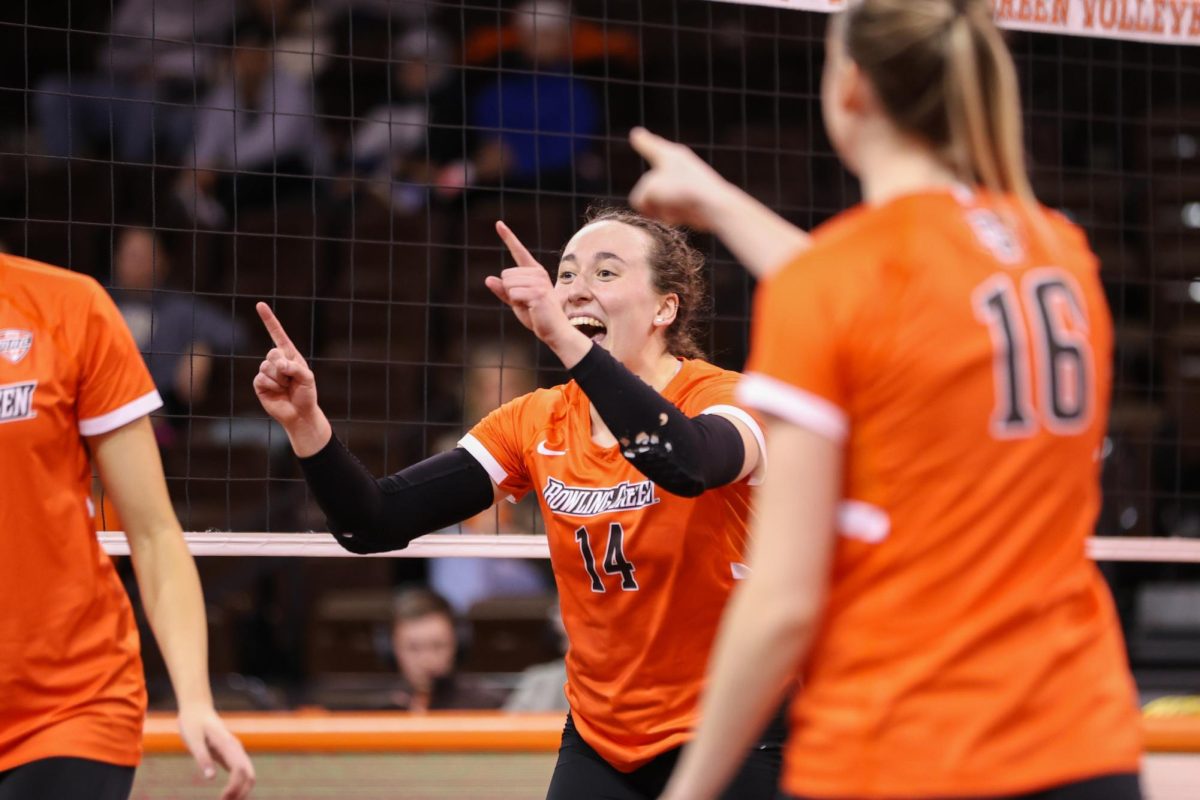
[(602, 255)]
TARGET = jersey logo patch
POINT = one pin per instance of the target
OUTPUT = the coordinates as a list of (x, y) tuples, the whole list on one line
[(546, 451), (15, 343), (577, 501), (996, 236), (16, 401)]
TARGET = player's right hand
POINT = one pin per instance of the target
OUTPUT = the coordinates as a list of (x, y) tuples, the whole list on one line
[(284, 384)]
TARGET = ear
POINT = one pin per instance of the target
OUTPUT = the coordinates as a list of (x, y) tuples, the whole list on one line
[(856, 95), (664, 313)]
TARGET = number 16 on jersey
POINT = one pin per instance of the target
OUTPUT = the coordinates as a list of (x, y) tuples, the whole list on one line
[(1052, 303)]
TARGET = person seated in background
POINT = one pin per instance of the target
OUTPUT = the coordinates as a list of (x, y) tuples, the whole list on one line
[(176, 332), (535, 125), (595, 49), (156, 58), (495, 374), (256, 142), (540, 687), (425, 644), (407, 140)]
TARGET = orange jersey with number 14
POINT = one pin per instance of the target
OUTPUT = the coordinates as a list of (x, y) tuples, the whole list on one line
[(959, 348), (642, 574)]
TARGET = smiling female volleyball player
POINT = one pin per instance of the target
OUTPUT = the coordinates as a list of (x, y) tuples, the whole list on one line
[(641, 466), (936, 373), (75, 393)]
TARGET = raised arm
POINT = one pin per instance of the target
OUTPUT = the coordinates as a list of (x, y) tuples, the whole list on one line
[(680, 189), (365, 514), (684, 455)]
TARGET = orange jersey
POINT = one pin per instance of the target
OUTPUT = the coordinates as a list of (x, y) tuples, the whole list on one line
[(642, 574), (969, 647), (70, 671)]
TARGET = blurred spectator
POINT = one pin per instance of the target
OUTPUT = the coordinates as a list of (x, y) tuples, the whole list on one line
[(154, 65), (176, 332), (425, 644), (1176, 451), (420, 130), (541, 686), (494, 374), (534, 125), (303, 43), (594, 49), (256, 141)]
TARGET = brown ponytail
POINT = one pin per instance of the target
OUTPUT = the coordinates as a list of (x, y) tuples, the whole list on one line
[(943, 73)]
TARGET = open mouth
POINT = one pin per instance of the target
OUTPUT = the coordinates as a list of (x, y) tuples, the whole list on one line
[(590, 327)]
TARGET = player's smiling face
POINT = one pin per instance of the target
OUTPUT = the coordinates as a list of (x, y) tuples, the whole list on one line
[(606, 286)]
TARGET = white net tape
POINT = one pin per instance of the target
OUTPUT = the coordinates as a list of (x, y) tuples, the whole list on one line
[(449, 545)]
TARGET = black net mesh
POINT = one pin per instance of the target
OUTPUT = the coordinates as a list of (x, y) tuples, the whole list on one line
[(352, 173)]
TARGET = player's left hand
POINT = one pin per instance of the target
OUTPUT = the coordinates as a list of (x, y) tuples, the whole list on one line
[(680, 188), (209, 742), (527, 289)]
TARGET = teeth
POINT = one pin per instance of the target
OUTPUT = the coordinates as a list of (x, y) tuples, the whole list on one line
[(579, 322)]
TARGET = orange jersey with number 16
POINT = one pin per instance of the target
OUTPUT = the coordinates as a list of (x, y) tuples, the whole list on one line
[(642, 574), (958, 347)]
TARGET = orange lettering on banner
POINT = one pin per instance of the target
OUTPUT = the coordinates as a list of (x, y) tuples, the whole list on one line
[(1178, 9), (1089, 13), (1004, 10), (1132, 22), (1025, 13), (1157, 27), (1108, 13), (1061, 8), (1194, 31), (1039, 14)]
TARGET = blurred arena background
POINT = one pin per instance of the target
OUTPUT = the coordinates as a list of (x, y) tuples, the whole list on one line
[(355, 187)]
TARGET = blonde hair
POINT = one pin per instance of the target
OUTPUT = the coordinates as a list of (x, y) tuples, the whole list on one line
[(943, 73)]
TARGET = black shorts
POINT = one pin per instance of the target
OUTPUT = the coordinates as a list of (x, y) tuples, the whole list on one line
[(64, 777), (582, 774), (1106, 787)]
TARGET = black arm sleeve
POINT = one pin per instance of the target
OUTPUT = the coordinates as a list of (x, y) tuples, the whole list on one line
[(373, 516), (684, 455)]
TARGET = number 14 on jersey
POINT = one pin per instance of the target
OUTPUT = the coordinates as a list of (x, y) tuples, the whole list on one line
[(614, 558)]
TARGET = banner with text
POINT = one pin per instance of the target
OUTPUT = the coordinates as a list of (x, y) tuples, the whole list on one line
[(1158, 21)]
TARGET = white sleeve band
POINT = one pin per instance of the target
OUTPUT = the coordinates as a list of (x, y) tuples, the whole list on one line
[(134, 409), (481, 454), (756, 477), (794, 405)]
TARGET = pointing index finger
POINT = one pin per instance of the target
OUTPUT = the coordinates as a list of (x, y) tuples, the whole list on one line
[(648, 145), (518, 251), (275, 329)]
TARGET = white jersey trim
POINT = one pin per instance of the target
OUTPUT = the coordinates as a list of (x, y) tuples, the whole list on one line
[(134, 409), (793, 404), (860, 520), (480, 452), (756, 477)]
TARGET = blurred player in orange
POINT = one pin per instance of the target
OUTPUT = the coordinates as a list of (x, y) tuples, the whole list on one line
[(935, 369), (75, 393), (641, 466)]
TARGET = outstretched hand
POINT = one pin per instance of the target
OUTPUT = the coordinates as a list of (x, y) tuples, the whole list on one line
[(526, 288), (679, 188), (284, 384)]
